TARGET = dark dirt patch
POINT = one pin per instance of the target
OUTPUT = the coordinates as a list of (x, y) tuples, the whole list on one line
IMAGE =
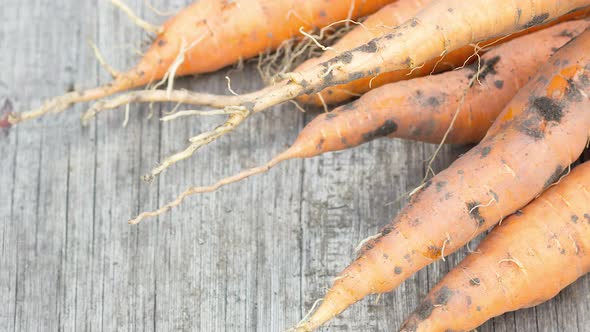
[(424, 310), (320, 145), (389, 127), (530, 127), (566, 33), (345, 57), (473, 210), (370, 47), (572, 92), (440, 185), (386, 230), (549, 109), (443, 295), (495, 196), (537, 19), (555, 176), (486, 151), (433, 101), (488, 66), (330, 116)]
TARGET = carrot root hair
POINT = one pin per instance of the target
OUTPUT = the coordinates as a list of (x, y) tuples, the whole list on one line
[(287, 154), (63, 102), (148, 27), (155, 96), (273, 66), (196, 142)]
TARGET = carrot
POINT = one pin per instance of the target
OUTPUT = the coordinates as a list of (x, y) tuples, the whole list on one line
[(442, 27), (525, 261), (539, 133), (209, 35), (418, 110)]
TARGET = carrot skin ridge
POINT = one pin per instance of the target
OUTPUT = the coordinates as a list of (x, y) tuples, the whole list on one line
[(494, 179), (523, 262)]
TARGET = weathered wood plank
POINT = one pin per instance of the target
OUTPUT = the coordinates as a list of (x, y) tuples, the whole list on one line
[(253, 256)]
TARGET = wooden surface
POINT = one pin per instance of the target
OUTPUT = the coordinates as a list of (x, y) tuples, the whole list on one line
[(253, 256)]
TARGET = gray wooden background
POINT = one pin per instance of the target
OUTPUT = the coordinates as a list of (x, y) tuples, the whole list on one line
[(253, 256)]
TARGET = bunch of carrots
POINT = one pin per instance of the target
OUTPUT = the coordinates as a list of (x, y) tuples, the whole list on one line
[(512, 76)]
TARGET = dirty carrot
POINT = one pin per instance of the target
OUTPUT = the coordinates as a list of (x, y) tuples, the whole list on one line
[(537, 136), (525, 261), (423, 108), (208, 35), (442, 27)]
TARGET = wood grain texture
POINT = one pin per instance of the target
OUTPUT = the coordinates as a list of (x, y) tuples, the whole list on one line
[(251, 257)]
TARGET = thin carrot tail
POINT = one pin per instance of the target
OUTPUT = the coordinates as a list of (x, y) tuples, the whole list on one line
[(285, 155), (339, 297), (63, 102)]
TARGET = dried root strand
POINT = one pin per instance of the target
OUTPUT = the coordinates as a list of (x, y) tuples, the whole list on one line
[(197, 142), (272, 66), (182, 114), (152, 96), (150, 28), (158, 11), (452, 124), (99, 57), (53, 105), (198, 190)]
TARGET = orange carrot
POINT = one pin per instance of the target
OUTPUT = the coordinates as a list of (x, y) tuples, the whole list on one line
[(442, 27), (525, 261), (540, 132), (378, 25), (423, 108), (210, 34)]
